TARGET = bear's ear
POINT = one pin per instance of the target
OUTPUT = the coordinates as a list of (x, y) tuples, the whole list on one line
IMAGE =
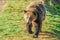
[(24, 11)]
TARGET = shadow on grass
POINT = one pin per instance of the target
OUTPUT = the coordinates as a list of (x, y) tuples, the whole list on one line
[(53, 8), (56, 32)]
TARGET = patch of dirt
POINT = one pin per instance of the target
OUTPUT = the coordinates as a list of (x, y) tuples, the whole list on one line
[(42, 36), (2, 5)]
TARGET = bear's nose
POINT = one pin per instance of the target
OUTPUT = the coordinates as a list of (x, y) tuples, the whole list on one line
[(27, 17)]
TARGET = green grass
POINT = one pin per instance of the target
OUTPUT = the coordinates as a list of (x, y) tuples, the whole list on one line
[(12, 21)]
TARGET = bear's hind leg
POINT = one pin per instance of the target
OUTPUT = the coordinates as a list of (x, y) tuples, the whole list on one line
[(37, 29)]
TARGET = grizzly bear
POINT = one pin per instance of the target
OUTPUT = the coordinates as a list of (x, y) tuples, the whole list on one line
[(34, 14)]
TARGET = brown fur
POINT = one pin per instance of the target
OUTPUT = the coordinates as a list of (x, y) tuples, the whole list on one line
[(34, 14)]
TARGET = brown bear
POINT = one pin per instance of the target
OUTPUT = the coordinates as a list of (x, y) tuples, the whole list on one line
[(34, 14)]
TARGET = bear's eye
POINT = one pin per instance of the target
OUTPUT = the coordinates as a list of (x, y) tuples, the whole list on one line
[(25, 11)]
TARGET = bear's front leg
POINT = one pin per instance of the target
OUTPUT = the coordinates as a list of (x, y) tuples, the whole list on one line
[(29, 28)]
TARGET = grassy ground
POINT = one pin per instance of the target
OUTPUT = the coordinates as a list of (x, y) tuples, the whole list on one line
[(12, 25)]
